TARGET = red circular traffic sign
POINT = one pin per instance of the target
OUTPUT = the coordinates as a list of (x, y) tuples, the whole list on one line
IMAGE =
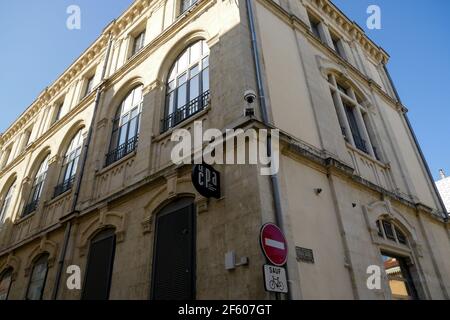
[(273, 244)]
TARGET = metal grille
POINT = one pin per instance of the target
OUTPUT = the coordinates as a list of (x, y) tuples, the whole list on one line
[(174, 257), (304, 254), (30, 207), (63, 187), (194, 106), (122, 151)]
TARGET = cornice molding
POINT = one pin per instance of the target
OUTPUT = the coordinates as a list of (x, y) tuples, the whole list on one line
[(327, 8), (93, 52)]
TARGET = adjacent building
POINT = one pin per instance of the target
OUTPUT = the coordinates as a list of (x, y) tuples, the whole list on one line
[(443, 186), (86, 177)]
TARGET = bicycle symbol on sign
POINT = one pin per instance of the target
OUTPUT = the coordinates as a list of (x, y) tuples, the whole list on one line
[(275, 283)]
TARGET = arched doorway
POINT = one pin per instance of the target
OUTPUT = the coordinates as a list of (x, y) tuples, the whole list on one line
[(173, 276)]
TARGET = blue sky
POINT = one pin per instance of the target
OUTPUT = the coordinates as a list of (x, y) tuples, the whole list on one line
[(415, 33)]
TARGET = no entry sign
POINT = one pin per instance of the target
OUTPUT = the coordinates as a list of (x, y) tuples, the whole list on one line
[(273, 244)]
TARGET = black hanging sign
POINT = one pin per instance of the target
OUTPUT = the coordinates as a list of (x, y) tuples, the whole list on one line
[(206, 180)]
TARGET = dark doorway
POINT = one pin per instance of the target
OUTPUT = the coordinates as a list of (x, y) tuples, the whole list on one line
[(174, 252), (99, 266)]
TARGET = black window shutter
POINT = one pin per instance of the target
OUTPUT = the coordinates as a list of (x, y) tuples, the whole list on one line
[(99, 267), (174, 257)]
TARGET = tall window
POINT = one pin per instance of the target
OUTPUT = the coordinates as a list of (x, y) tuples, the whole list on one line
[(5, 283), (315, 25), (58, 112), (38, 277), (70, 164), (186, 4), (100, 266), (89, 86), (337, 44), (353, 117), (187, 85), (138, 43), (7, 203), (26, 139), (6, 157), (36, 190), (126, 126)]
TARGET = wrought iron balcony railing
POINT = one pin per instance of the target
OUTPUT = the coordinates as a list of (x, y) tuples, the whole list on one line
[(122, 151), (63, 187), (30, 208), (194, 106)]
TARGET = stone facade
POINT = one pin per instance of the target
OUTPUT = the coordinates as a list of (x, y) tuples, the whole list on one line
[(333, 193)]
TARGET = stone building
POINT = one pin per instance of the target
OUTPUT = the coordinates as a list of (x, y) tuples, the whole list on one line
[(86, 177)]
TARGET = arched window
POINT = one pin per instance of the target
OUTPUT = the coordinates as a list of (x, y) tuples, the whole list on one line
[(353, 117), (389, 231), (399, 270), (38, 184), (38, 278), (70, 164), (100, 266), (187, 85), (126, 126), (7, 202), (5, 283)]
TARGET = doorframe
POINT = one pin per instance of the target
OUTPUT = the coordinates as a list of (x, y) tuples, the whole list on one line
[(177, 204)]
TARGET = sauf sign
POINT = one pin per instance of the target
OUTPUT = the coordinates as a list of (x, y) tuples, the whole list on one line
[(206, 181), (274, 246)]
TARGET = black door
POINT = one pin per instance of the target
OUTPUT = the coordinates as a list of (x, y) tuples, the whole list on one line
[(99, 267), (174, 253)]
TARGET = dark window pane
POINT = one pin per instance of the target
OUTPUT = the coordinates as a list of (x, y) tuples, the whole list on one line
[(205, 80), (194, 90), (174, 257), (99, 267), (5, 284), (37, 279), (388, 230)]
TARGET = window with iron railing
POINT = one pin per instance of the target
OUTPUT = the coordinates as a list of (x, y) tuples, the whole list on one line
[(126, 127), (187, 85), (36, 190), (70, 164)]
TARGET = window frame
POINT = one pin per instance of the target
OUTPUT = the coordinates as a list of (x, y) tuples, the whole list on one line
[(358, 134), (3, 274), (89, 85), (44, 280), (70, 160), (101, 235), (138, 43), (185, 78), (117, 150), (37, 188), (182, 9), (7, 200)]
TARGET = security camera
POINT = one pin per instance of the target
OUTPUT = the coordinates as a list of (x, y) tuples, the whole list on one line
[(250, 96)]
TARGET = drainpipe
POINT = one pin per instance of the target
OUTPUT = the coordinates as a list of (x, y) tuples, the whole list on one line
[(275, 184), (79, 180), (416, 141)]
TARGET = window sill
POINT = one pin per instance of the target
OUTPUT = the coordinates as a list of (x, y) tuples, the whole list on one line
[(23, 219), (367, 156), (115, 164), (59, 197), (182, 124)]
